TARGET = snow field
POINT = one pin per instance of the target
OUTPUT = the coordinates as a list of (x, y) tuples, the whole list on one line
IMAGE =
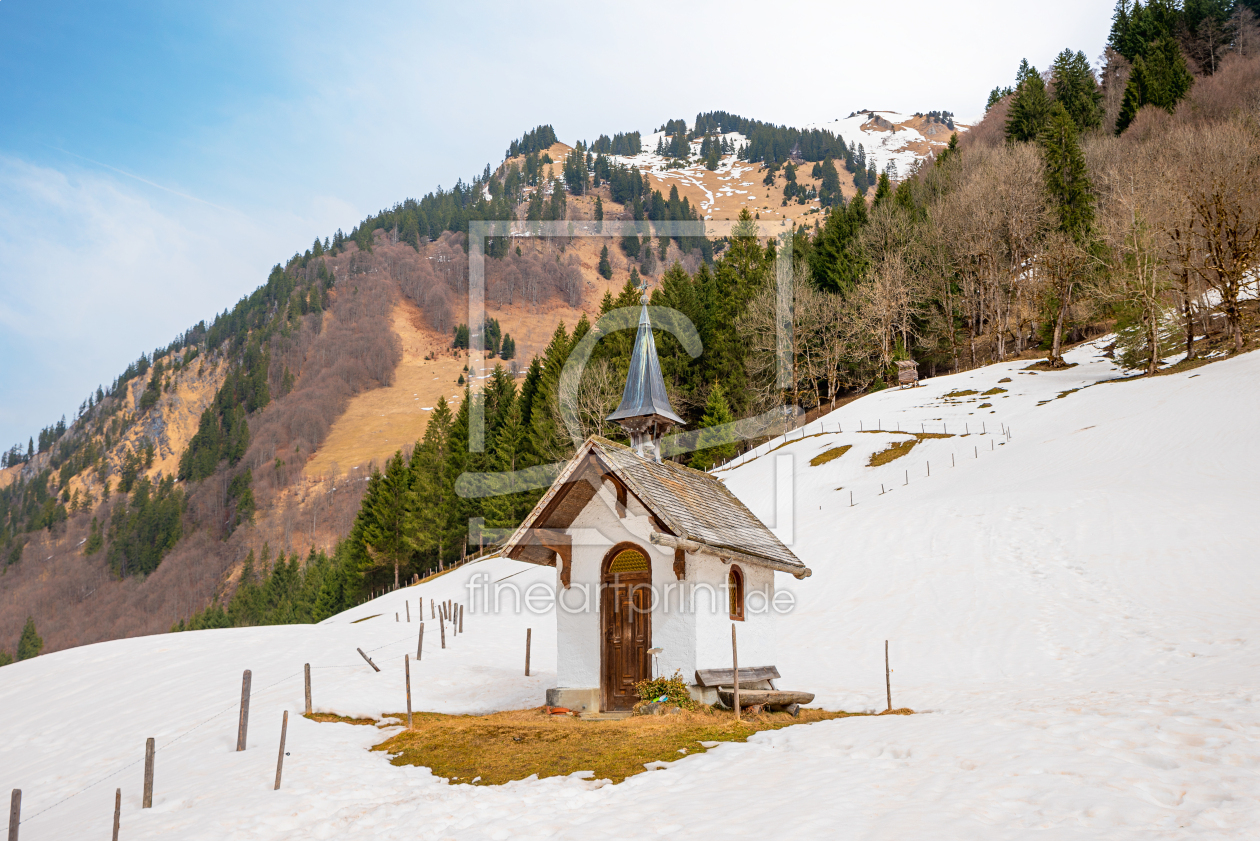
[(1074, 613), (882, 147)]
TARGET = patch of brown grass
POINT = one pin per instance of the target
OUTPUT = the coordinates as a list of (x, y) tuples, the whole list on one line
[(962, 392), (501, 747), (366, 618), (326, 718), (892, 452), (831, 455), (1046, 365), (994, 390)]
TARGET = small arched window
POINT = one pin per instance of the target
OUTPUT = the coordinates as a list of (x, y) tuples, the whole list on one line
[(629, 561), (735, 585)]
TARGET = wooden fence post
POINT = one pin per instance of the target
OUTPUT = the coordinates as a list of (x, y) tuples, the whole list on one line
[(308, 688), (407, 670), (15, 813), (442, 625), (408, 604), (149, 750), (420, 642), (887, 680), (375, 667), (529, 632), (461, 619), (117, 812), (242, 726), (432, 610), (735, 665), (284, 730)]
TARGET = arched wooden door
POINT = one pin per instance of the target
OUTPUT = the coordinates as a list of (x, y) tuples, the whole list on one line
[(625, 618)]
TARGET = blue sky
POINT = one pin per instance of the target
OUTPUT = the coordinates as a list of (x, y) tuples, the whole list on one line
[(157, 158)]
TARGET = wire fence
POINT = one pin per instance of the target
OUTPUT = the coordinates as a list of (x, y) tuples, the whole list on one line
[(233, 706), (812, 429)]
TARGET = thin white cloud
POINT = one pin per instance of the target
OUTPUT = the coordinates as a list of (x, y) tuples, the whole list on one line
[(141, 179)]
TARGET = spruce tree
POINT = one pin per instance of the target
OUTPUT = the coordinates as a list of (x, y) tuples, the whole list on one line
[(508, 507), (1029, 109), (605, 267), (1160, 78), (630, 245), (837, 260), (1025, 72), (31, 643), (391, 511), (715, 445), (434, 487), (548, 439), (883, 190), (1070, 193), (1077, 89), (95, 539), (1067, 177)]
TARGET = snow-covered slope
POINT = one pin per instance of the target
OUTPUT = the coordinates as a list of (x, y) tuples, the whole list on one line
[(890, 138), (1075, 611)]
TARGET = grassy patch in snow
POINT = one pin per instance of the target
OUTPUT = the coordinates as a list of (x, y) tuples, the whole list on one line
[(366, 618), (831, 455), (994, 390), (326, 718), (892, 452), (962, 392), (501, 747), (1044, 365)]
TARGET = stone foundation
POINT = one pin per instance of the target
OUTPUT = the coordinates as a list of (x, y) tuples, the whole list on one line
[(578, 700)]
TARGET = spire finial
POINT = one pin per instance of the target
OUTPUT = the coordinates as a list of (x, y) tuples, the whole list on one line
[(645, 413)]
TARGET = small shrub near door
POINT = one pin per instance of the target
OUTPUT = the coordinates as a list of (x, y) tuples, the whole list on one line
[(672, 689)]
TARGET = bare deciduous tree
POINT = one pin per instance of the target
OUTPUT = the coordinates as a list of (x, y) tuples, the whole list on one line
[(1226, 209)]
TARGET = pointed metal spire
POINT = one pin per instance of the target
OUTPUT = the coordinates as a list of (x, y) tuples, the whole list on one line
[(645, 413)]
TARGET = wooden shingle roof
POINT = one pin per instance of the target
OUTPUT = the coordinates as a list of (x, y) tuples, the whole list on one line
[(687, 504)]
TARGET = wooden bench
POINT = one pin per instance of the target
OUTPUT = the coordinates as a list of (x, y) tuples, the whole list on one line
[(756, 686), (748, 675)]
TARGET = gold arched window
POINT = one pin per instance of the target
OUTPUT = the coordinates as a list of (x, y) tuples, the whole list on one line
[(735, 584), (629, 561)]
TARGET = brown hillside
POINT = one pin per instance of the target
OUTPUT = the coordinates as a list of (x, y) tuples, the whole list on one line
[(380, 421)]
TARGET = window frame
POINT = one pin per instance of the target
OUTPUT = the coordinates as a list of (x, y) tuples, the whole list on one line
[(735, 583)]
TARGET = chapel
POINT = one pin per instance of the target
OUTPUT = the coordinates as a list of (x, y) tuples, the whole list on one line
[(654, 561)]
